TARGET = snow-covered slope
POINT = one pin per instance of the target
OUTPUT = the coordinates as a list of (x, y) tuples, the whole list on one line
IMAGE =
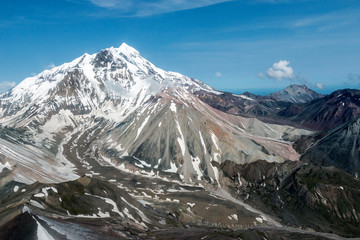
[(176, 132), (112, 84), (117, 108)]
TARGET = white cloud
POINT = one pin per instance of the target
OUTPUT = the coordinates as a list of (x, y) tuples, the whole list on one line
[(51, 66), (328, 21), (260, 75), (6, 85), (105, 3), (272, 1), (319, 85), (280, 70), (115, 4), (147, 8), (218, 74), (354, 78)]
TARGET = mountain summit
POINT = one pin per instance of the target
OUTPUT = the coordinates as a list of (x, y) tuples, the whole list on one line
[(115, 81), (296, 94)]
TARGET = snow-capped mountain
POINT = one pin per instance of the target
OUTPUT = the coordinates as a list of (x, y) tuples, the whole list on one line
[(118, 108), (111, 83)]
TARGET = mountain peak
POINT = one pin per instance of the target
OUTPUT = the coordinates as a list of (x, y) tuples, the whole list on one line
[(125, 47), (113, 76), (296, 93), (297, 86)]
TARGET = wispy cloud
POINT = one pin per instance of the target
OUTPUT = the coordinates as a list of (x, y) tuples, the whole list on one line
[(16, 21), (316, 23), (6, 85), (260, 75), (218, 74), (50, 66), (329, 20), (353, 79), (277, 1), (148, 8), (319, 85)]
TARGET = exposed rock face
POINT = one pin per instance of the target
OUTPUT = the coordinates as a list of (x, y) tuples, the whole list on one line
[(323, 113), (306, 141), (321, 198), (340, 148), (246, 104), (326, 113), (296, 94)]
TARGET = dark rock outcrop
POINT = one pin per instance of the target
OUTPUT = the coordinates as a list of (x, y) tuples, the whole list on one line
[(301, 195)]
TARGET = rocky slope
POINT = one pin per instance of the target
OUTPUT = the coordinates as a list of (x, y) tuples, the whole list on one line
[(264, 108), (326, 113), (135, 207), (296, 94), (301, 195), (118, 205), (340, 148), (323, 113)]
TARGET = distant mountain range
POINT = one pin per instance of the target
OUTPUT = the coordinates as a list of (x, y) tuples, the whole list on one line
[(290, 106), (110, 146)]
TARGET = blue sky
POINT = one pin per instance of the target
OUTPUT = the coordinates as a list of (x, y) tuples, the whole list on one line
[(256, 45)]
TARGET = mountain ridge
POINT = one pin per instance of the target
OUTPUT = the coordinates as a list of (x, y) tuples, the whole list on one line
[(339, 148), (142, 116), (113, 76)]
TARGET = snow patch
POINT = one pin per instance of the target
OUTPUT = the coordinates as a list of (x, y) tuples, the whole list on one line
[(173, 168), (191, 204), (202, 142), (243, 97), (142, 126), (215, 140), (181, 140), (39, 195), (196, 165), (42, 234), (36, 204), (173, 107), (6, 165)]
